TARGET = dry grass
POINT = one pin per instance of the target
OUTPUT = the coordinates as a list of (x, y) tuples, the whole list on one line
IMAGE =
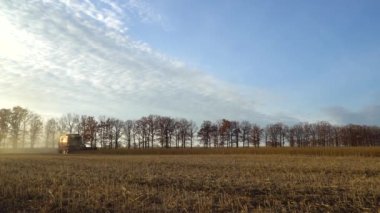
[(188, 183), (314, 151), (29, 151)]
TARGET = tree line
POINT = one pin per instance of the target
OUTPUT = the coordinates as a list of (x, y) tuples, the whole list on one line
[(22, 128)]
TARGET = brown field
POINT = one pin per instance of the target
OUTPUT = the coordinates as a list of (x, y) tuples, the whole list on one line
[(313, 151), (189, 183)]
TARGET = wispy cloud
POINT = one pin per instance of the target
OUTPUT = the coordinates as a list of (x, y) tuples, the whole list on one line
[(144, 11), (76, 56), (369, 115)]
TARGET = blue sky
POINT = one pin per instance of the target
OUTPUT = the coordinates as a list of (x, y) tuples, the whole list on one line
[(262, 61)]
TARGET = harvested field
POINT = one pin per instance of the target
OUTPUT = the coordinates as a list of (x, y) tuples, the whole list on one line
[(313, 151), (189, 183)]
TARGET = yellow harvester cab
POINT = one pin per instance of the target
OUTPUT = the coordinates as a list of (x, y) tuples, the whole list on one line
[(70, 142)]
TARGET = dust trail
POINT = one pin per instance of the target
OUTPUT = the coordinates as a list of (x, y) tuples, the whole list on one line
[(29, 151)]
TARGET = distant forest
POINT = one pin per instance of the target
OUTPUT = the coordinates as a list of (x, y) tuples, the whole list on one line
[(22, 128)]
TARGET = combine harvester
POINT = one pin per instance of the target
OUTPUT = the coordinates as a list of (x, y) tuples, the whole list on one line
[(71, 142)]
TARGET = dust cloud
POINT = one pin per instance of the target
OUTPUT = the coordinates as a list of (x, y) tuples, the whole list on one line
[(29, 151)]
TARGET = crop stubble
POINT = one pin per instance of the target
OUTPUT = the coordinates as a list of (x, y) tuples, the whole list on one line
[(188, 183)]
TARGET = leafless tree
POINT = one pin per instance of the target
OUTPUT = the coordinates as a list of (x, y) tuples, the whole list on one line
[(5, 115), (214, 135), (147, 132), (17, 115), (136, 135), (92, 125), (24, 124), (255, 135), (235, 128), (296, 135), (151, 128), (225, 132), (141, 129), (165, 130), (182, 132), (87, 129), (323, 133), (192, 131), (176, 133), (308, 134), (109, 133), (36, 125), (204, 133), (276, 133), (69, 122), (117, 126), (102, 131), (127, 130), (245, 127), (50, 132)]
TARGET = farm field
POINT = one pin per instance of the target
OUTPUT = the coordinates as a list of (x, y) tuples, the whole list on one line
[(310, 151), (189, 183)]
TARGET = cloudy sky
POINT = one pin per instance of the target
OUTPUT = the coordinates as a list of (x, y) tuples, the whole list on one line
[(261, 61)]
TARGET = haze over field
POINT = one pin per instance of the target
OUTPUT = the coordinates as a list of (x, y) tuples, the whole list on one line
[(263, 61)]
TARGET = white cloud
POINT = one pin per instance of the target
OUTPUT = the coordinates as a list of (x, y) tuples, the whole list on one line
[(75, 56), (144, 11), (369, 115)]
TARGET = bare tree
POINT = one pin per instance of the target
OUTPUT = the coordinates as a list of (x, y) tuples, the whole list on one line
[(204, 133), (117, 130), (36, 125), (4, 125), (69, 122), (176, 133), (307, 134), (141, 128), (273, 133), (147, 132), (51, 128), (17, 115), (191, 131), (80, 129), (92, 125), (245, 130), (76, 124), (62, 126), (235, 127), (296, 135), (255, 135), (214, 135), (151, 128), (105, 132), (24, 124), (109, 132), (87, 129), (101, 131), (183, 126), (136, 135), (324, 133), (127, 130), (225, 132), (165, 130)]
